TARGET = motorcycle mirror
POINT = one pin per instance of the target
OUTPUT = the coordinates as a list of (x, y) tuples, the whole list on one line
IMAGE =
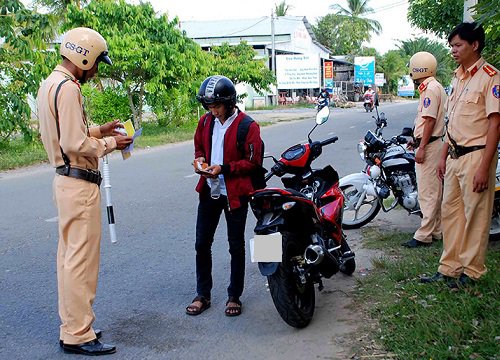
[(407, 131), (322, 116), (376, 99)]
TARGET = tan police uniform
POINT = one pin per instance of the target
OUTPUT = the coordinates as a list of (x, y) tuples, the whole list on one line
[(77, 201), (430, 190), (466, 215)]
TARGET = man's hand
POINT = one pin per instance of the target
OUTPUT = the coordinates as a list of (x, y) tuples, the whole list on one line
[(420, 155), (480, 182), (441, 169), (214, 171), (108, 129), (410, 145), (123, 141)]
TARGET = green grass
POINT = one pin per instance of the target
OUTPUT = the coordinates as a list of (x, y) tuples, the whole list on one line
[(428, 321), (17, 153)]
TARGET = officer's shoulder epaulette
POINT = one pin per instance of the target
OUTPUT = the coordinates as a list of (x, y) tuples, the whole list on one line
[(422, 87), (489, 70)]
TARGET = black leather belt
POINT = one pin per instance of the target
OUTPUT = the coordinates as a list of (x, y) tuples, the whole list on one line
[(93, 176), (431, 139), (456, 151)]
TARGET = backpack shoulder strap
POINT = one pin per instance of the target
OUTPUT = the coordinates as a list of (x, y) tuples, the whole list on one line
[(241, 135)]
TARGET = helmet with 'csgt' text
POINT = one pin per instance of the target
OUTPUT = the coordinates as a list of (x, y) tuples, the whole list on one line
[(217, 89), (84, 47), (422, 65)]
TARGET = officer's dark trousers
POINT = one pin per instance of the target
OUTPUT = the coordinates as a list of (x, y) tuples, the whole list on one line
[(209, 211)]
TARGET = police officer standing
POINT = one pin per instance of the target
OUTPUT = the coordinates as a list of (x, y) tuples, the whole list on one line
[(73, 148), (429, 130), (468, 160)]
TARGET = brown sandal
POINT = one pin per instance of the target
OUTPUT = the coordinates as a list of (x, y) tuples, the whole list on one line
[(233, 310), (197, 310)]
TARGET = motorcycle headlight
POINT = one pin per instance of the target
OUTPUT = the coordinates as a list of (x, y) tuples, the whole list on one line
[(361, 150)]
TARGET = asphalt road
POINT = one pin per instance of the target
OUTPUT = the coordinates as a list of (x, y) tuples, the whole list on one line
[(147, 278)]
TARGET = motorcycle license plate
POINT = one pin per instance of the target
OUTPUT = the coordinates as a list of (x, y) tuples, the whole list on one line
[(266, 248)]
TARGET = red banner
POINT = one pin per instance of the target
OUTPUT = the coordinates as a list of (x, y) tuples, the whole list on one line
[(328, 69)]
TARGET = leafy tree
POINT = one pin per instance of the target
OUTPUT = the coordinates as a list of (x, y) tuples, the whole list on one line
[(343, 35), (23, 64), (357, 10), (239, 64), (488, 14), (441, 17), (440, 52), (150, 54), (438, 17), (282, 8), (393, 65)]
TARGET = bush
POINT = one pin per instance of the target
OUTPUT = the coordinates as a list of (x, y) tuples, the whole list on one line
[(106, 105), (173, 108)]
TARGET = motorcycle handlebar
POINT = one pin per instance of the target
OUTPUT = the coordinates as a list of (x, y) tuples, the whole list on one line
[(329, 141)]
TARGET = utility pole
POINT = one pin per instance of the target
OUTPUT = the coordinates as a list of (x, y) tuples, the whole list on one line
[(468, 12), (273, 54)]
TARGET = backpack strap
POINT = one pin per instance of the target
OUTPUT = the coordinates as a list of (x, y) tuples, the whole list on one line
[(241, 135)]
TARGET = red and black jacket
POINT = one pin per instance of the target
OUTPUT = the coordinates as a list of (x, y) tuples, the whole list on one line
[(236, 166)]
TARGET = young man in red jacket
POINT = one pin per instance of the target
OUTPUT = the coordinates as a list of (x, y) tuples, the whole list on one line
[(225, 183)]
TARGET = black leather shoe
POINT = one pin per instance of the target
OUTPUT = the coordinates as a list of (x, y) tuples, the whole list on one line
[(92, 348), (462, 282), (435, 278), (414, 243), (98, 334)]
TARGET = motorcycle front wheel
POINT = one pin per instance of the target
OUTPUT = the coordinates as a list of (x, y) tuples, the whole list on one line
[(294, 301), (495, 218), (352, 218)]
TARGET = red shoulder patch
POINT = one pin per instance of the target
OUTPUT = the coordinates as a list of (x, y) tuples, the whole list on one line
[(422, 87), (489, 70)]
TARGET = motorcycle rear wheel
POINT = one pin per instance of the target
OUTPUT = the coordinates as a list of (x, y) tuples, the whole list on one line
[(354, 219), (294, 301), (495, 219)]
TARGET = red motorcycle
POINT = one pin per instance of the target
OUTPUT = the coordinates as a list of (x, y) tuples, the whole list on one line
[(298, 237)]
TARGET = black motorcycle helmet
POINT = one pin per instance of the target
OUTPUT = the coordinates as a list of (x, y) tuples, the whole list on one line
[(217, 89)]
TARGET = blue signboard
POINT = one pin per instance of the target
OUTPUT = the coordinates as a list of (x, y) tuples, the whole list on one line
[(364, 69), (406, 87)]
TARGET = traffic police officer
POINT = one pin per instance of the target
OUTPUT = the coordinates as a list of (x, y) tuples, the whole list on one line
[(429, 130), (468, 159), (73, 148)]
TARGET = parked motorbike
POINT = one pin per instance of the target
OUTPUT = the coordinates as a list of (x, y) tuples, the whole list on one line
[(495, 216), (389, 169), (306, 218)]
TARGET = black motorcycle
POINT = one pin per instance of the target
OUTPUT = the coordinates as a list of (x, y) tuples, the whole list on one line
[(389, 169)]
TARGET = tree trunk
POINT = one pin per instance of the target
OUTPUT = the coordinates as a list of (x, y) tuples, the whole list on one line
[(132, 107)]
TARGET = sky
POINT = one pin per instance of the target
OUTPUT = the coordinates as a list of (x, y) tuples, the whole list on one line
[(390, 13)]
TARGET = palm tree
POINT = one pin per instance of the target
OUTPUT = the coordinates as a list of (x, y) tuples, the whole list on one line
[(356, 10), (282, 8)]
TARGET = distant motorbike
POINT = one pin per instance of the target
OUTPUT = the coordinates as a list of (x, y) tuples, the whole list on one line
[(390, 168), (495, 216), (368, 103), (305, 220), (321, 102)]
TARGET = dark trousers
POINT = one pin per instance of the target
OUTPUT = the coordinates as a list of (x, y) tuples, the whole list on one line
[(209, 211)]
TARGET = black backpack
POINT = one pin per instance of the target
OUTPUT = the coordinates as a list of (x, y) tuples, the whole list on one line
[(258, 176)]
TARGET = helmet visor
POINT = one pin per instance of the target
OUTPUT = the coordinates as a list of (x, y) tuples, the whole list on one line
[(104, 58)]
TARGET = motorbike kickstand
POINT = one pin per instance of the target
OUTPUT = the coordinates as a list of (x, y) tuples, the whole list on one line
[(320, 285)]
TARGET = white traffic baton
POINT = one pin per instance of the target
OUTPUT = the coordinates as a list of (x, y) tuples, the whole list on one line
[(109, 204)]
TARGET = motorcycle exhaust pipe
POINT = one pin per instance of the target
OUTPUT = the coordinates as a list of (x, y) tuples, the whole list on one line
[(317, 255), (314, 254)]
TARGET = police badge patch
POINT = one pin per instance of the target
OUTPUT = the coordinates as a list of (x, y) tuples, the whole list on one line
[(496, 91), (427, 102)]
